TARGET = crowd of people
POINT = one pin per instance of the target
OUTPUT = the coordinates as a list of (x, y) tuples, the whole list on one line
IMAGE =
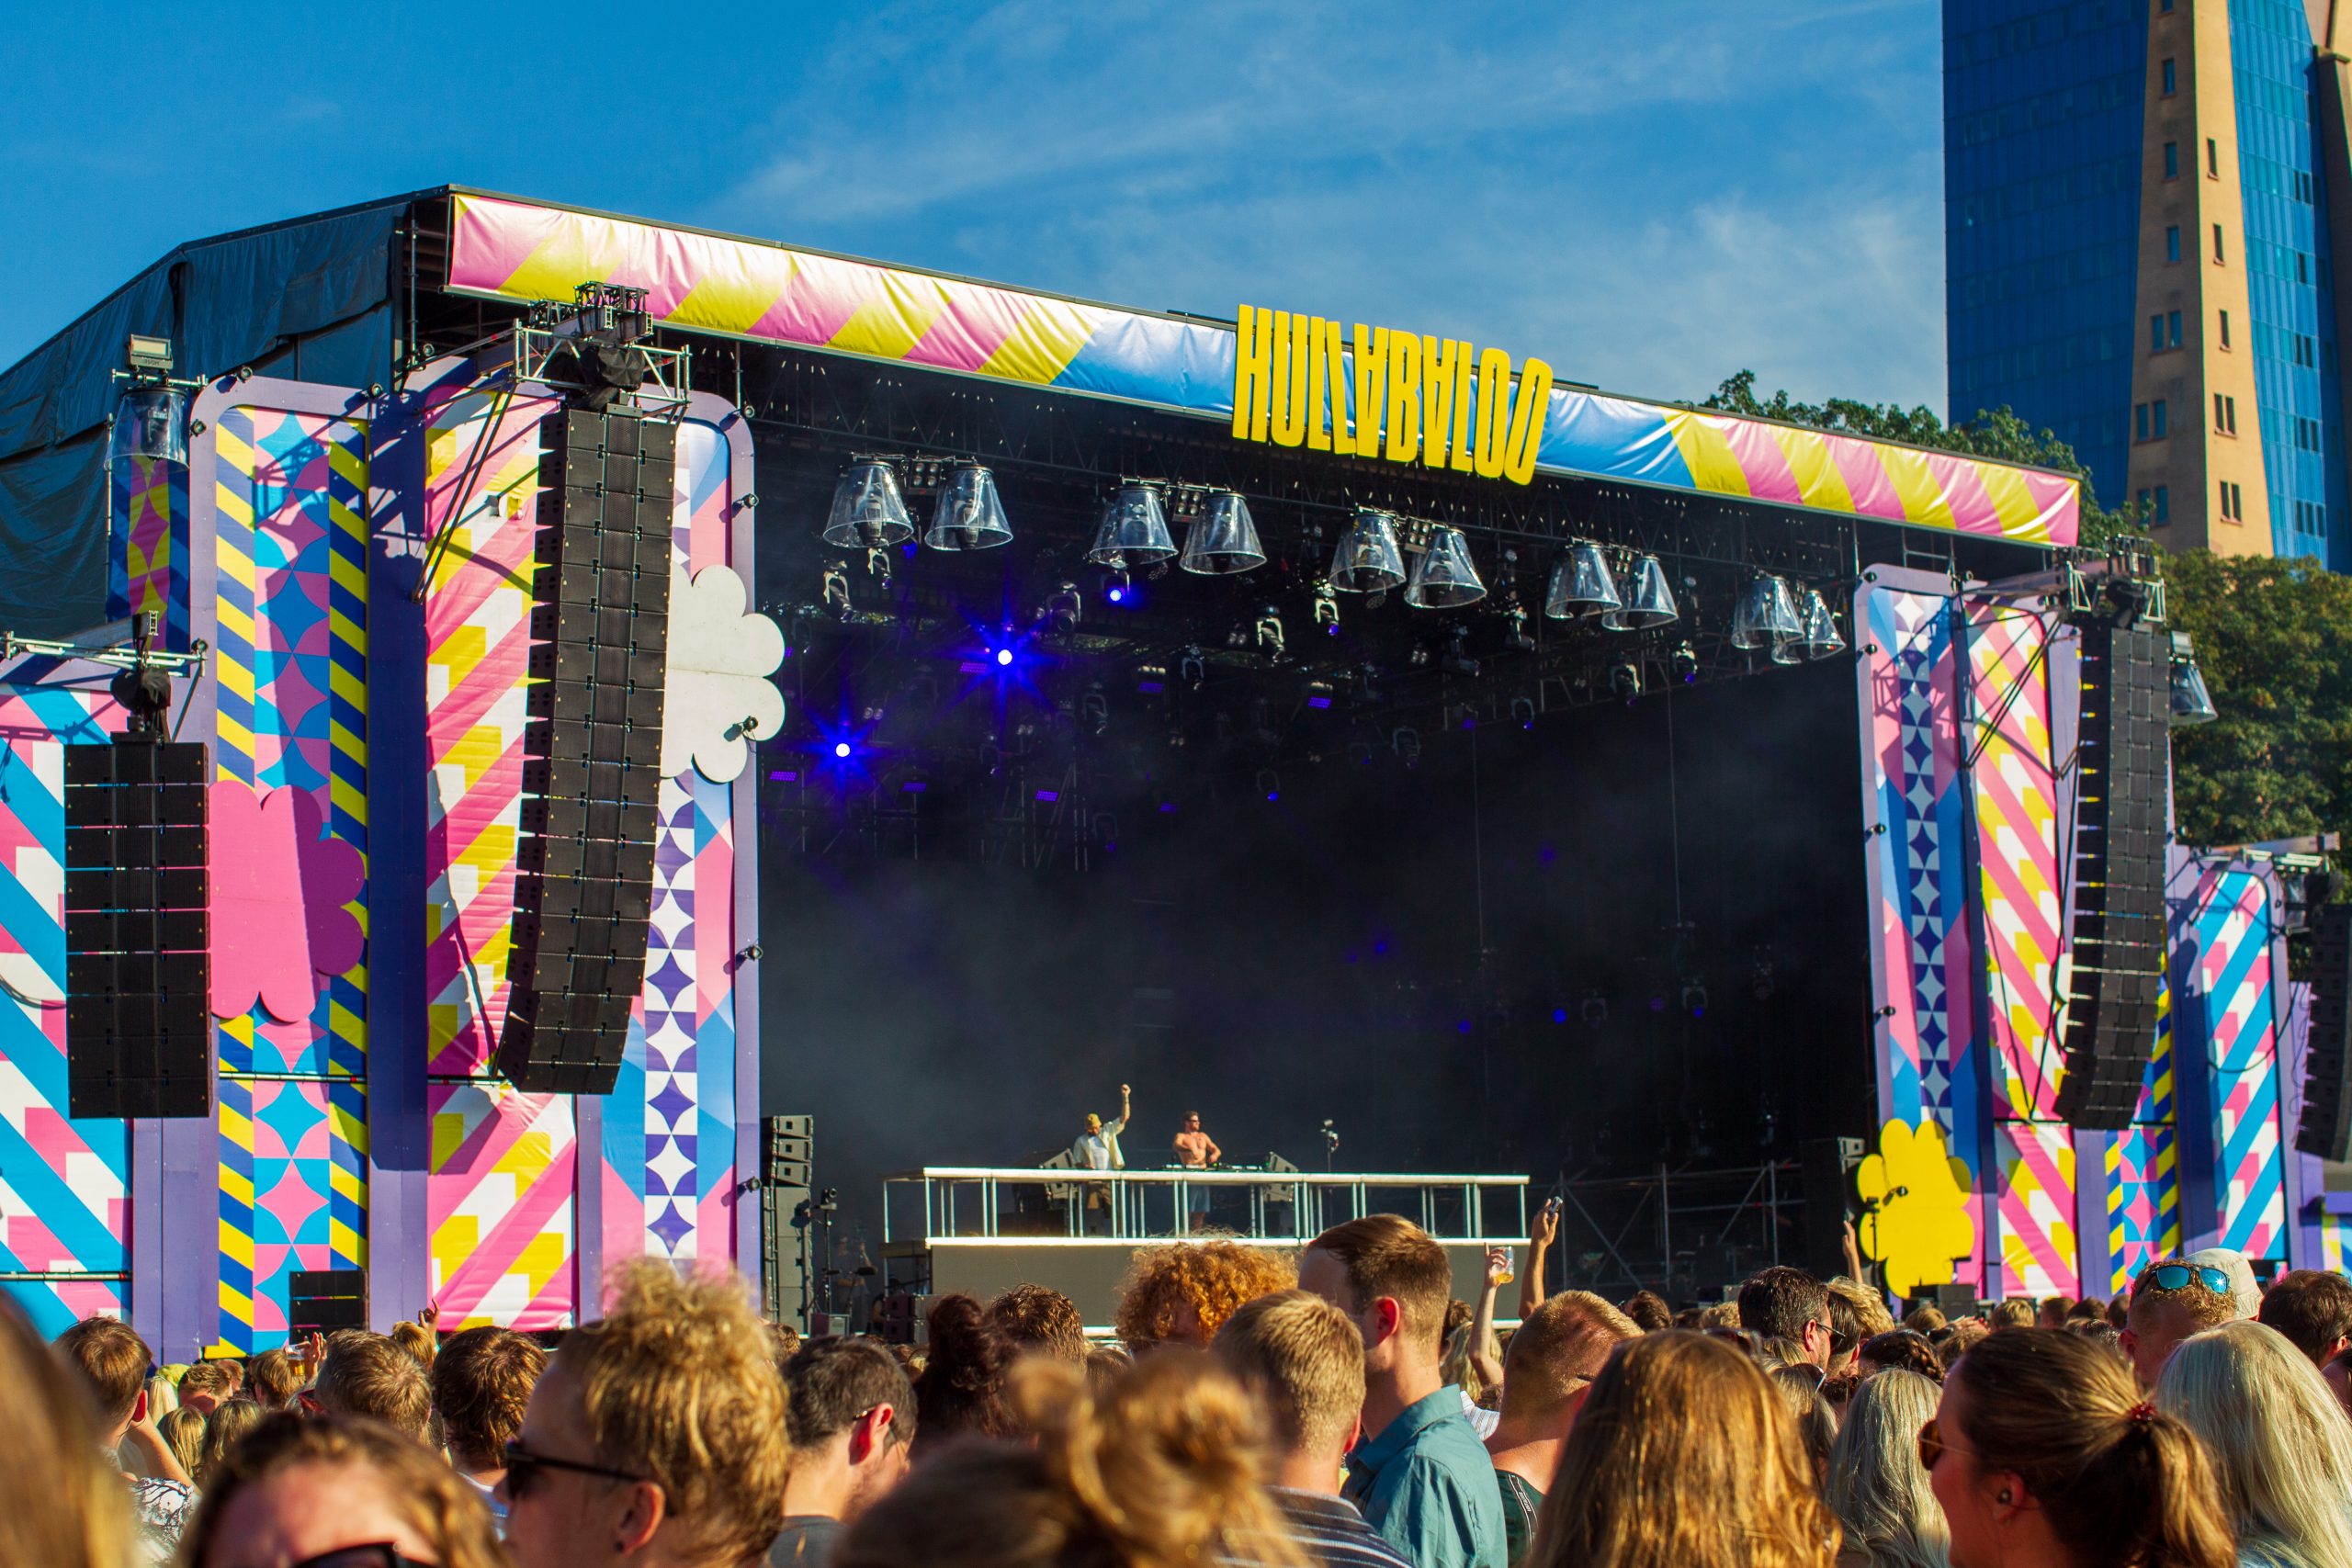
[(1340, 1408)]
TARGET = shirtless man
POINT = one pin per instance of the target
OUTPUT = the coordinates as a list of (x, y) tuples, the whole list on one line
[(1195, 1150)]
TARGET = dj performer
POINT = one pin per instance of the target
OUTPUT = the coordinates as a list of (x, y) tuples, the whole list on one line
[(1195, 1150)]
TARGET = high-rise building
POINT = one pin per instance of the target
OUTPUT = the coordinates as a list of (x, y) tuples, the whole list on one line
[(2141, 199)]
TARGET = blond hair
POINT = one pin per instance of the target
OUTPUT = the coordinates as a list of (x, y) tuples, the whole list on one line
[(61, 1504), (1302, 1358), (2117, 1480), (1561, 1345), (1214, 1277), (183, 1431), (678, 1384), (1385, 1255), (371, 1376), (220, 1379), (1682, 1454), (1877, 1488), (112, 1361), (416, 1339), (2276, 1436), (275, 1379), (231, 1420), (443, 1511), (1159, 1470)]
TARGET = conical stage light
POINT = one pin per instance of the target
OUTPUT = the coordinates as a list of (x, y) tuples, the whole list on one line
[(150, 423), (1368, 560), (1222, 538), (868, 512), (2192, 702), (1444, 577), (1651, 603), (969, 516), (1581, 585), (1134, 531), (1765, 616), (1817, 636)]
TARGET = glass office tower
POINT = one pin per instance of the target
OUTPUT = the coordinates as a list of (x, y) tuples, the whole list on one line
[(2138, 196)]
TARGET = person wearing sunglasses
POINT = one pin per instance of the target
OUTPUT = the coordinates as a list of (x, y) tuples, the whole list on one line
[(335, 1491), (656, 1436), (2043, 1453), (852, 1424), (2171, 1301), (1781, 1303)]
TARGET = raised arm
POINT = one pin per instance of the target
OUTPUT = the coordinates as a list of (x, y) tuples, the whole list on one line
[(1486, 1349), (1542, 1234)]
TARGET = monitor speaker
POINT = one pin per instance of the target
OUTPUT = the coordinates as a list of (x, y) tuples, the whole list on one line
[(2117, 936), (138, 939), (2325, 1129), (320, 1301), (591, 749)]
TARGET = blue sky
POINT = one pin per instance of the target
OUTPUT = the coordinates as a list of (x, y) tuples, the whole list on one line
[(1650, 195)]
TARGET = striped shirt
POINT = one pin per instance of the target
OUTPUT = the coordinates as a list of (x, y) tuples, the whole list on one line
[(1330, 1532)]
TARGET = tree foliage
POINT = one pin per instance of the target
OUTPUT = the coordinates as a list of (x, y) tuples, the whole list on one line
[(2274, 640), (1997, 433)]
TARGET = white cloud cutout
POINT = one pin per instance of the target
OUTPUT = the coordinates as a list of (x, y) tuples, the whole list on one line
[(720, 657)]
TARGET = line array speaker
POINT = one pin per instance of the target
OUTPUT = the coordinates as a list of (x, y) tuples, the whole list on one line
[(2118, 932), (2325, 1129), (591, 749), (137, 937)]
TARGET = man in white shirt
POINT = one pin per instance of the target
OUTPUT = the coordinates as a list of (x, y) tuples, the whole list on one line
[(1098, 1149)]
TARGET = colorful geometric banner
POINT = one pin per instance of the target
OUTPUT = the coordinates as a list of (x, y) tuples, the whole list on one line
[(64, 1184), (744, 289), (2233, 978), (500, 1206), (147, 555), (290, 555), (1923, 965)]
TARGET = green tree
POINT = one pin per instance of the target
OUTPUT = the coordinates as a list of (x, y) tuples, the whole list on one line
[(2274, 640), (1997, 433)]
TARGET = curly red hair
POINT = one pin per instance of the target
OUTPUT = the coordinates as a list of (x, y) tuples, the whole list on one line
[(1205, 1281)]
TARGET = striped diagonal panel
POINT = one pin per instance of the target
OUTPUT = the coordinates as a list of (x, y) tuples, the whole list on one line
[(482, 460), (64, 1184), (2037, 1207), (716, 944), (500, 1206), (2234, 971), (2014, 790)]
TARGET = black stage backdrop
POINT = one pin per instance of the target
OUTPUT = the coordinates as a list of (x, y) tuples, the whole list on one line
[(1275, 962)]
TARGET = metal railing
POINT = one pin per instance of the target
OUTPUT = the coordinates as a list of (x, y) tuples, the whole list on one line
[(969, 1205)]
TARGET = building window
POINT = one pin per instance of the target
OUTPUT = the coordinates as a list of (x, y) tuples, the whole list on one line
[(2165, 5), (2172, 243), (2156, 419), (2225, 329), (2302, 267), (2217, 245), (2225, 415), (2232, 503), (2168, 79), (2147, 501), (2164, 503), (2172, 329), (2155, 335), (2172, 160), (2212, 159)]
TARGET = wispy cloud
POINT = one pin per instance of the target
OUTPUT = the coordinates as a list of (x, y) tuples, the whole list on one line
[(1652, 198)]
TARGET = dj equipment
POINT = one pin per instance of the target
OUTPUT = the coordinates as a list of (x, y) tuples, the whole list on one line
[(2118, 934), (591, 747), (137, 936), (2325, 1129)]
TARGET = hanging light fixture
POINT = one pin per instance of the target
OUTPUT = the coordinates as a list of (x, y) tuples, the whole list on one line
[(968, 516), (868, 512), (149, 422), (1444, 577), (1817, 635), (1368, 560), (1765, 617), (1222, 538), (1581, 585), (1651, 603), (2192, 702), (1134, 531)]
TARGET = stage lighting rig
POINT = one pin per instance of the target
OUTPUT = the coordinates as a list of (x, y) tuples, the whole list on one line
[(1457, 659), (1522, 712), (1064, 609), (1626, 679), (1684, 662), (2192, 702), (597, 351), (836, 589), (1327, 608), (150, 414), (1269, 634)]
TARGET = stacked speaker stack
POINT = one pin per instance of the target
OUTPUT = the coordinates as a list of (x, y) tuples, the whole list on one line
[(138, 938), (2327, 1126), (2118, 934), (592, 771)]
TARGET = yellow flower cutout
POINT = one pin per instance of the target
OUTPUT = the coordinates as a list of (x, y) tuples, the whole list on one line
[(1915, 1195)]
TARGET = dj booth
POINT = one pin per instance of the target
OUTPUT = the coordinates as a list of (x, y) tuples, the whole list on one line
[(983, 1230)]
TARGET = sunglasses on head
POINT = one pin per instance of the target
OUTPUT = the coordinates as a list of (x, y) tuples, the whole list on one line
[(525, 1469), (375, 1554), (2178, 1277)]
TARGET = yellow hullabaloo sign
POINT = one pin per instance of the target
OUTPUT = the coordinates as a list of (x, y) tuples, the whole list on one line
[(1436, 401)]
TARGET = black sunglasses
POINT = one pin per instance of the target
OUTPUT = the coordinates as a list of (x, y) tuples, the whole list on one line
[(523, 1467), (375, 1554)]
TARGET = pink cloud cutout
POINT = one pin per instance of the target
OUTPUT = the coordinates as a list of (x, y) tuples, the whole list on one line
[(279, 892)]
